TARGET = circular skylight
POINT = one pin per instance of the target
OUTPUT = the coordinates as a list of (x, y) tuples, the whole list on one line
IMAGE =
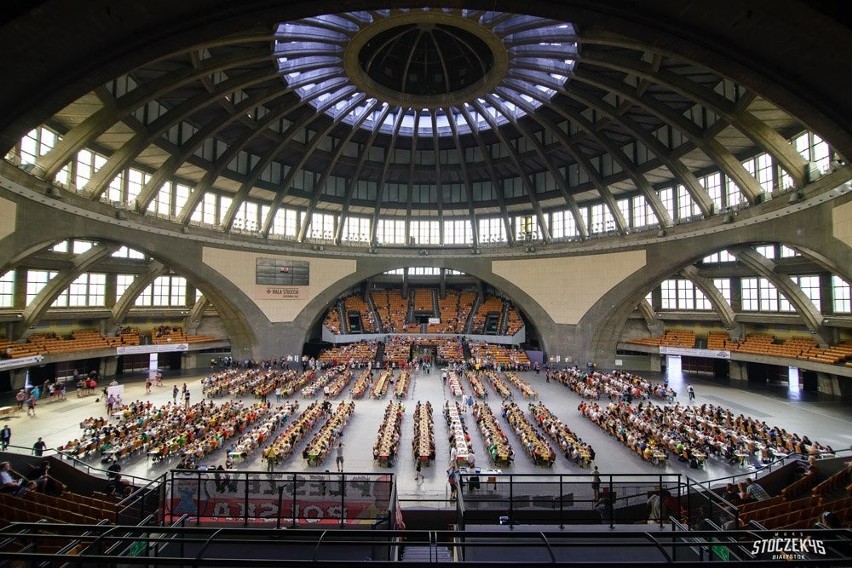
[(425, 72)]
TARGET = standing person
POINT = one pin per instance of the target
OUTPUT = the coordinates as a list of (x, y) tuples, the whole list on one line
[(148, 385), (31, 404), (20, 398), (38, 447), (596, 483), (691, 392), (186, 397), (175, 392), (5, 437), (418, 475), (340, 456), (452, 480)]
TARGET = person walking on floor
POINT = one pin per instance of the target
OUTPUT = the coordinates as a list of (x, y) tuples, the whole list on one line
[(5, 437), (340, 457), (691, 392), (596, 483), (175, 392), (38, 447), (31, 404)]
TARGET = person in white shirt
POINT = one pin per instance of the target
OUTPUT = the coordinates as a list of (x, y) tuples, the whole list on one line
[(8, 484)]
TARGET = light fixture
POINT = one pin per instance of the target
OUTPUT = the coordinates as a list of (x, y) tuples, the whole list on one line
[(795, 197)]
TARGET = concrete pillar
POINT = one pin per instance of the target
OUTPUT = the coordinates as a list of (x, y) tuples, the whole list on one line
[(18, 378), (109, 366), (656, 363), (737, 371), (828, 384)]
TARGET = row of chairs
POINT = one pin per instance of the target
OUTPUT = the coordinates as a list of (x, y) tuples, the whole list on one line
[(92, 509), (777, 509), (20, 509), (805, 514), (833, 483)]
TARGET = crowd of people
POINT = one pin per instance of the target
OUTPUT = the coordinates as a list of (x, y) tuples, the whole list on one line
[(533, 442), (386, 448)]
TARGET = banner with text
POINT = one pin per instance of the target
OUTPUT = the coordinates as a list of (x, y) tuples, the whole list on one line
[(690, 352)]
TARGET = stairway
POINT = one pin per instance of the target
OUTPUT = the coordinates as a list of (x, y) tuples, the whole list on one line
[(504, 319), (344, 321), (380, 355), (469, 323)]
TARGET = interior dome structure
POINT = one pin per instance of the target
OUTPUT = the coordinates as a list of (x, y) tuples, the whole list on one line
[(499, 141)]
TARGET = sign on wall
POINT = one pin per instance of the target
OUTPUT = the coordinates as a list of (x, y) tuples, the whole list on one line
[(278, 279)]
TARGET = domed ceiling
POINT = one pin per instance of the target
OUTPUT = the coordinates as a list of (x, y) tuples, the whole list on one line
[(436, 114)]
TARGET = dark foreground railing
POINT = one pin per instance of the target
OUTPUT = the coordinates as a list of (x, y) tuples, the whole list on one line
[(101, 546)]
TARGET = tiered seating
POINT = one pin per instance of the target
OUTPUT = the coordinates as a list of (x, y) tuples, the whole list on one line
[(357, 304), (834, 483), (332, 320), (490, 356), (70, 508), (362, 353), (451, 350), (799, 487), (129, 336), (718, 340), (490, 305), (321, 444), (449, 310), (768, 508), (804, 517), (672, 338), (165, 334), (392, 309), (538, 448), (423, 444), (398, 350), (496, 443), (386, 447), (424, 300), (514, 322)]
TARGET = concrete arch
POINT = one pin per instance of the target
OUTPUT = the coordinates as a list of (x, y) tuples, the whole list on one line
[(240, 316), (601, 327), (479, 268)]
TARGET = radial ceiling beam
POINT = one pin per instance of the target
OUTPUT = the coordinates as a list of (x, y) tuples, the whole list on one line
[(465, 175), (153, 270), (720, 305), (723, 158), (167, 170), (522, 173), (380, 187), (42, 302), (294, 129), (766, 268), (496, 181), (82, 135), (356, 175), (745, 122)]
